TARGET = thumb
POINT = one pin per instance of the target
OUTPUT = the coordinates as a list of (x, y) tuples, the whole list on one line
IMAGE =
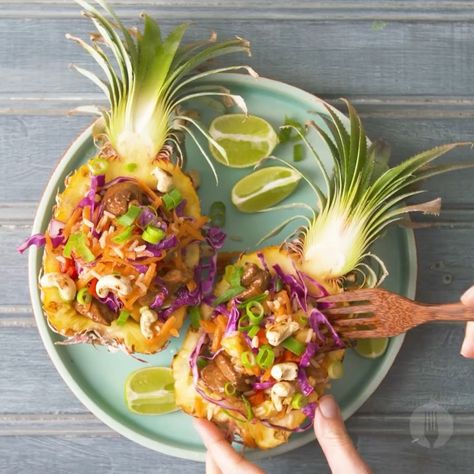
[(336, 444)]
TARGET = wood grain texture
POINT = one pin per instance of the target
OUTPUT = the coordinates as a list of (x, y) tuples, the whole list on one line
[(323, 56), (407, 66)]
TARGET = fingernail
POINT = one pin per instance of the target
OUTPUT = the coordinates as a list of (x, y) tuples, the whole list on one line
[(328, 407), (468, 297)]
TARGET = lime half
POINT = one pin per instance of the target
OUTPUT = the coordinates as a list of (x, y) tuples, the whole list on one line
[(246, 139), (371, 348), (264, 188), (150, 391)]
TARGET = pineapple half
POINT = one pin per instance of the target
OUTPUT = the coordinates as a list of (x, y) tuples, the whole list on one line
[(252, 433), (61, 315)]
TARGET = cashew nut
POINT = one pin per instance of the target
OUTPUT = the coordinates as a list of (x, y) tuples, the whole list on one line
[(120, 285), (285, 371), (147, 318), (64, 284), (164, 181), (280, 391), (279, 332)]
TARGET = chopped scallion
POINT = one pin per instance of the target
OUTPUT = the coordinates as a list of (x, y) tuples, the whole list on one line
[(253, 331), (195, 317), (217, 214), (255, 312), (123, 236), (123, 317), (153, 234), (299, 401), (172, 199), (229, 389), (130, 216), (248, 359), (298, 152), (265, 357), (130, 167), (83, 296), (248, 408), (293, 345)]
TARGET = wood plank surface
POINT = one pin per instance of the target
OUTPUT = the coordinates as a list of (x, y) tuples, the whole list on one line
[(408, 68)]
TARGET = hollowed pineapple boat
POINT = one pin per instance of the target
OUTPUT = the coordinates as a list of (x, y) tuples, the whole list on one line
[(122, 252)]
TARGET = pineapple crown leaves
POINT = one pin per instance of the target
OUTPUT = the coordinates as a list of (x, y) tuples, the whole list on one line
[(146, 76)]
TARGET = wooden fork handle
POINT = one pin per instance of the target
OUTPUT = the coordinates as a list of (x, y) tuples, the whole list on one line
[(448, 312)]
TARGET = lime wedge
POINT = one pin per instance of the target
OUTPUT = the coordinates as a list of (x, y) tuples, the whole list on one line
[(264, 188), (371, 348), (150, 391), (246, 139)]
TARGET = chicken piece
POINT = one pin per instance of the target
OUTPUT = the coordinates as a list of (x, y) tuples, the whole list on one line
[(213, 378), (97, 311), (118, 197), (230, 373), (255, 280)]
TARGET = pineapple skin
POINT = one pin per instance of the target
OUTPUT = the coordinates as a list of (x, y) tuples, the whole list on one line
[(61, 316), (253, 434)]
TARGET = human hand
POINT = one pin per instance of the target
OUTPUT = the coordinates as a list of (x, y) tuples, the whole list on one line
[(330, 431), (467, 349)]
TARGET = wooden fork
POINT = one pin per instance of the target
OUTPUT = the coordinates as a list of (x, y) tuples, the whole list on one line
[(380, 313)]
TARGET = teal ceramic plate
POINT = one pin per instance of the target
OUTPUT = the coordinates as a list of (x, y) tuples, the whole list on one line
[(97, 377)]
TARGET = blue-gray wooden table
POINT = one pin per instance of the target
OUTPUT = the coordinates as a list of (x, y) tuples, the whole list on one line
[(407, 66)]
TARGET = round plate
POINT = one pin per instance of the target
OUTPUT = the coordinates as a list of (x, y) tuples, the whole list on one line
[(97, 376)]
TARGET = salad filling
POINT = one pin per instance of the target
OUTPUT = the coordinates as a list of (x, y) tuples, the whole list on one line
[(265, 348)]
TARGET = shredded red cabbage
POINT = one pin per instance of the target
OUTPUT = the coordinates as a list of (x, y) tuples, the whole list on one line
[(215, 238), (97, 181), (147, 216), (263, 385), (159, 298), (232, 320), (37, 239), (179, 209), (184, 297), (310, 351), (316, 318), (165, 244), (141, 268), (298, 290), (112, 302), (305, 386)]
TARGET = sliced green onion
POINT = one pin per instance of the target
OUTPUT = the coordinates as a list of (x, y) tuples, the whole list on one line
[(233, 274), (153, 234), (123, 236), (131, 167), (298, 401), (293, 345), (278, 285), (255, 317), (229, 389), (298, 152), (130, 216), (248, 359), (172, 199), (228, 295), (217, 214), (195, 317), (335, 369), (303, 320), (244, 323), (83, 296), (248, 408), (123, 317), (201, 363), (98, 166), (265, 357), (253, 331), (77, 242)]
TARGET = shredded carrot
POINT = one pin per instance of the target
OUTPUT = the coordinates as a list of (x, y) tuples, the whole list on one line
[(149, 260), (221, 322), (48, 245), (290, 357), (167, 327), (285, 308), (262, 338), (71, 221), (150, 273), (174, 332), (208, 326), (156, 199), (216, 340)]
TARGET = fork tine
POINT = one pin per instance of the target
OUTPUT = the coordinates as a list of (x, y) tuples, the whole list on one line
[(347, 296), (363, 334), (355, 322), (352, 309)]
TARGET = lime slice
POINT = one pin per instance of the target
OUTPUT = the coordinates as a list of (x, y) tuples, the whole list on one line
[(264, 188), (150, 391), (246, 139), (371, 348)]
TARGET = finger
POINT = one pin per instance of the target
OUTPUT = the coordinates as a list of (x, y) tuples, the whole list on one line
[(467, 349), (336, 444), (225, 457), (211, 466)]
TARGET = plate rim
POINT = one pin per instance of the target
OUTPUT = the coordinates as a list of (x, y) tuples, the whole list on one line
[(103, 415)]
